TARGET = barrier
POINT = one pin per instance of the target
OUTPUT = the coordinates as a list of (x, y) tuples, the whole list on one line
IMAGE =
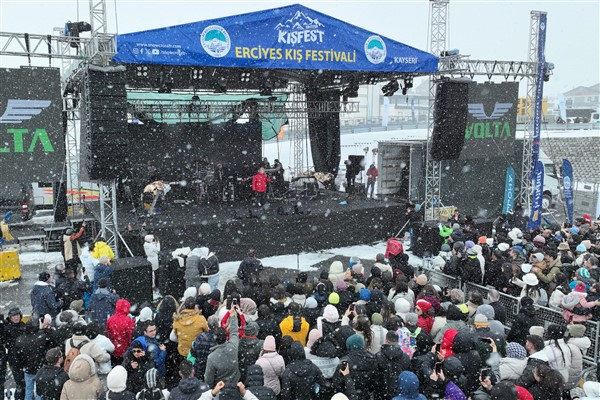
[(511, 304), (436, 277)]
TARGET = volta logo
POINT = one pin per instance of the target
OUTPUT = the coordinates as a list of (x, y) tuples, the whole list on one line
[(477, 111), (18, 111), (300, 29), (567, 183), (375, 49), (215, 41)]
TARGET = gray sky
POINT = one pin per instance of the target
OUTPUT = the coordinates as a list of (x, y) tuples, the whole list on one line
[(484, 29)]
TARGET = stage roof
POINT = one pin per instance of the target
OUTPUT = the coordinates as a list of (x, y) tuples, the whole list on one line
[(286, 38)]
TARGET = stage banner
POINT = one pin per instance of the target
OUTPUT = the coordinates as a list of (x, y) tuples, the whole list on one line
[(535, 217), (491, 120), (539, 90), (567, 172), (32, 148), (509, 191), (290, 37)]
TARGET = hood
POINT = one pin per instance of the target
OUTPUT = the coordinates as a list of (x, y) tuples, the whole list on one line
[(323, 348), (192, 385), (402, 306), (297, 352), (454, 313), (82, 368), (448, 341), (254, 376), (408, 385), (452, 368), (116, 381), (201, 252), (336, 268), (122, 307), (453, 392), (142, 341), (330, 313), (40, 283), (184, 316), (392, 351), (145, 314), (486, 310), (463, 343), (592, 389), (528, 310), (100, 245), (102, 293)]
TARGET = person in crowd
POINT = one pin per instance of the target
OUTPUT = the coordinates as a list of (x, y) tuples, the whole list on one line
[(525, 319), (549, 384), (391, 362), (511, 367), (92, 331), (499, 310), (422, 309), (51, 378), (222, 362), (372, 174), (29, 351), (119, 329), (463, 347), (153, 388), (537, 356), (102, 249), (83, 382), (43, 297), (116, 382), (102, 303), (249, 348), (102, 270), (259, 186), (189, 387), (301, 379), (408, 387), (202, 346), (85, 345), (249, 269), (151, 249), (255, 382), (272, 365), (137, 361), (295, 325), (187, 324), (71, 253)]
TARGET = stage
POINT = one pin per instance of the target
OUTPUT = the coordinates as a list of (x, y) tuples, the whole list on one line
[(328, 225)]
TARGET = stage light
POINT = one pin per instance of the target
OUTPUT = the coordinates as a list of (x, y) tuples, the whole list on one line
[(351, 90), (449, 53), (337, 79), (245, 77), (371, 80), (73, 29), (390, 88), (266, 90), (408, 82), (141, 70), (196, 74)]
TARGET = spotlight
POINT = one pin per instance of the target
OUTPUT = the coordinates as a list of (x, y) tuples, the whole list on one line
[(449, 53), (245, 77), (408, 82), (196, 74), (141, 70), (371, 80), (73, 29), (337, 79), (351, 90), (390, 88)]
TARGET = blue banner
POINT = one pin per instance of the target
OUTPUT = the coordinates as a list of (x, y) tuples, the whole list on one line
[(535, 217), (567, 172), (509, 191), (539, 90), (291, 37)]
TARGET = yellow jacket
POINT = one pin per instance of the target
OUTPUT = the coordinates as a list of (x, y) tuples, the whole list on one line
[(287, 325), (102, 249), (187, 324)]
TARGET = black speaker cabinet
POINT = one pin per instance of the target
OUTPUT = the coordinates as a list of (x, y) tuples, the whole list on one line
[(132, 279), (426, 238), (450, 120)]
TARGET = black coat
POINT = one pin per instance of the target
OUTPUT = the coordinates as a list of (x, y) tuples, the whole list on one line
[(391, 361), (30, 350), (49, 382), (268, 327), (527, 379), (10, 334), (524, 320), (363, 371), (255, 382), (499, 311), (124, 395), (188, 389), (465, 352), (300, 379), (249, 268), (470, 270), (248, 352), (136, 378)]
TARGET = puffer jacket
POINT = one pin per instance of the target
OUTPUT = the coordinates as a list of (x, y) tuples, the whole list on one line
[(273, 367), (391, 361), (572, 365), (255, 383), (102, 249), (151, 249), (189, 389), (336, 273), (90, 348), (119, 328), (511, 368), (187, 324), (102, 305), (463, 347), (49, 382), (363, 371), (323, 354), (408, 387), (83, 383), (43, 300), (525, 319), (301, 377), (570, 301), (527, 379)]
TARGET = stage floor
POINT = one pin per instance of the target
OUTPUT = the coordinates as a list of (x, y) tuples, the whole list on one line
[(328, 225)]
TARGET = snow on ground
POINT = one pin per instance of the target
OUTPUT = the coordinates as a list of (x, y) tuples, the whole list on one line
[(39, 257)]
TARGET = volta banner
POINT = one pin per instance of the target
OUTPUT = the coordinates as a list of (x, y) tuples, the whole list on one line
[(32, 148), (291, 37), (509, 191), (567, 172), (539, 90), (535, 217)]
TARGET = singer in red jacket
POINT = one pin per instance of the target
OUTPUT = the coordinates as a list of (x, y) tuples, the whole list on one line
[(259, 186)]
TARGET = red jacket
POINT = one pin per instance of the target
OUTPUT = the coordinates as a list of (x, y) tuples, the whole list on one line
[(425, 322), (119, 328), (372, 174), (259, 182)]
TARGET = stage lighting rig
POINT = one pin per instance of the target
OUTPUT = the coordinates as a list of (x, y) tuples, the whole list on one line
[(73, 29), (337, 79), (196, 74), (245, 77), (371, 80), (390, 88), (408, 82), (351, 90)]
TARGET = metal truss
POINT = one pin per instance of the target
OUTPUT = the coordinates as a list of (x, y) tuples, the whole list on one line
[(437, 44), (109, 229), (462, 66), (298, 126)]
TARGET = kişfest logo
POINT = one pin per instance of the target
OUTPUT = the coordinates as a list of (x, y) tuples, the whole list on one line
[(488, 126), (300, 29), (18, 111), (215, 41), (375, 49)]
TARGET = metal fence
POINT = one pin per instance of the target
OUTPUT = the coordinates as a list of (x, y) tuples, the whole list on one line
[(546, 316)]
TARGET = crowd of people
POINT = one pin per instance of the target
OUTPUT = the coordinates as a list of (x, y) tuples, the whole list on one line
[(349, 332)]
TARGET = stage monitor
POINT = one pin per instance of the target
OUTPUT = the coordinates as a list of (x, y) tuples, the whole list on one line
[(32, 148)]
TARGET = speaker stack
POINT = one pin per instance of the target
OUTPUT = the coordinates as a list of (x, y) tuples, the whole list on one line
[(132, 279), (450, 120)]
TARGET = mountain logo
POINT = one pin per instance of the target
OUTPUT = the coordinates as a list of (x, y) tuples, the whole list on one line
[(567, 183), (477, 111), (215, 41), (18, 111), (375, 49), (301, 28)]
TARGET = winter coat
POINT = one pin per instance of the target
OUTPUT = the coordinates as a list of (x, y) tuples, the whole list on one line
[(71, 290), (336, 273), (151, 249), (527, 379), (88, 262), (105, 344), (425, 322), (499, 311), (248, 352), (378, 333), (511, 368), (255, 382), (300, 377), (200, 351), (459, 326), (68, 241), (408, 387), (324, 355), (453, 392), (102, 305), (545, 274), (83, 384), (259, 183), (470, 270), (102, 271), (570, 301), (363, 371), (29, 350), (188, 389), (273, 367), (391, 361), (572, 365), (525, 319), (556, 298), (540, 393), (90, 348), (287, 326), (187, 324), (583, 343), (192, 274), (102, 249), (119, 328), (43, 300), (249, 269), (136, 377), (208, 264), (49, 382), (222, 362), (463, 347)]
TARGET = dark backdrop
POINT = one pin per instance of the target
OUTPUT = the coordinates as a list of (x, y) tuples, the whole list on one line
[(324, 132)]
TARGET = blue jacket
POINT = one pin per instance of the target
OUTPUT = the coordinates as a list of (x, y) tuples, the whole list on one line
[(408, 387), (102, 271), (160, 356), (43, 300), (102, 305)]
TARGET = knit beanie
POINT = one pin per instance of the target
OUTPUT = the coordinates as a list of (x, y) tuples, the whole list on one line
[(355, 342), (515, 350), (190, 292), (145, 314), (576, 330), (334, 298), (330, 313), (376, 319), (421, 280), (251, 329), (341, 286), (481, 321), (424, 305), (537, 331), (365, 294), (310, 303), (204, 289), (269, 343), (116, 381)]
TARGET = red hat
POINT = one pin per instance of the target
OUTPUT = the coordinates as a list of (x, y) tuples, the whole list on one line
[(580, 287), (424, 305), (523, 394), (587, 218)]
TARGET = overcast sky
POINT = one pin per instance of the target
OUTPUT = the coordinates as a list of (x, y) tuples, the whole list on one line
[(484, 29)]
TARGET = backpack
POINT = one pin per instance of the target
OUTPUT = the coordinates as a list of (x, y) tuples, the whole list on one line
[(73, 352), (408, 340), (571, 303)]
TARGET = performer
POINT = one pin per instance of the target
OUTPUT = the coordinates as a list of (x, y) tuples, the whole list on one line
[(259, 186), (221, 182), (245, 182), (351, 172), (278, 181), (265, 163), (157, 190), (372, 174)]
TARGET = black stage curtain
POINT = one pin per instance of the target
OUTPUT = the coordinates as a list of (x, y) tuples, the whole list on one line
[(324, 132)]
